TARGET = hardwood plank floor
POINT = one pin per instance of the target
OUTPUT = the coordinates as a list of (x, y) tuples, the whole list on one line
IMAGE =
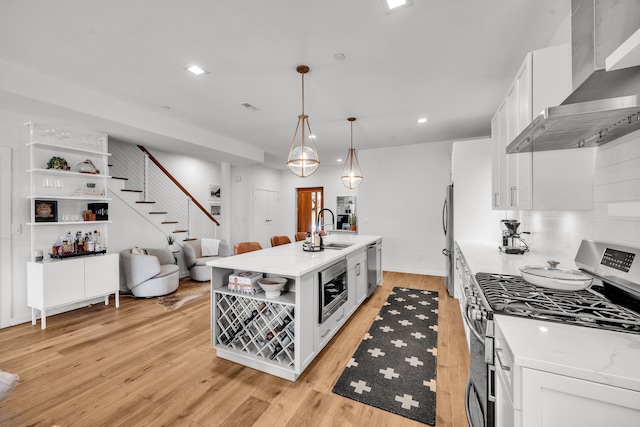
[(139, 365)]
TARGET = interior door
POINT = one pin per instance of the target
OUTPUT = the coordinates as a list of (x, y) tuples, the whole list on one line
[(265, 216), (310, 202)]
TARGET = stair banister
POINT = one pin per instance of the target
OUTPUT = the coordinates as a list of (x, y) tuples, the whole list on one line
[(149, 156)]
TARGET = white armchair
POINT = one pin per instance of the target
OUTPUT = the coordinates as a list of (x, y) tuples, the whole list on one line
[(150, 275), (196, 263)]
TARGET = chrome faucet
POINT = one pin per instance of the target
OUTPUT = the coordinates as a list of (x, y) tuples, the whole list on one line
[(333, 218)]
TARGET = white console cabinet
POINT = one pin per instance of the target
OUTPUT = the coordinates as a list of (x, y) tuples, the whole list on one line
[(68, 174), (60, 283)]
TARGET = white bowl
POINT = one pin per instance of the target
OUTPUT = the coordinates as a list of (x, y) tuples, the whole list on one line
[(272, 286)]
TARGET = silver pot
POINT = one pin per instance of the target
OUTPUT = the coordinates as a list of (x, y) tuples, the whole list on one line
[(556, 278)]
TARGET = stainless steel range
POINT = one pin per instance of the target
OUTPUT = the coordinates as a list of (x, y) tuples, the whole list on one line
[(612, 303)]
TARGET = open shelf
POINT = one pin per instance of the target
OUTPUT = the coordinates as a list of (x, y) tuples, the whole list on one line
[(67, 148)]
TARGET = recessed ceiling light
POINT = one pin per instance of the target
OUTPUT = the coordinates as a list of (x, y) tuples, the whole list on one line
[(339, 56), (394, 5), (196, 70), (312, 136), (339, 160), (422, 120)]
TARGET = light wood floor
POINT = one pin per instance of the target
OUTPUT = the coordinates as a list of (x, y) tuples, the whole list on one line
[(141, 366)]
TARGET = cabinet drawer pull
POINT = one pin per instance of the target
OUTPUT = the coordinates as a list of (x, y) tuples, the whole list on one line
[(326, 333), (514, 196)]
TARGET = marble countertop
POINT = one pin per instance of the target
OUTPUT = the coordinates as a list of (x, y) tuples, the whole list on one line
[(290, 260), (605, 357), (487, 258)]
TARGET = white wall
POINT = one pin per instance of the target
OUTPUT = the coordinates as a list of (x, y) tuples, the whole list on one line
[(328, 177), (14, 135), (401, 199), (243, 181)]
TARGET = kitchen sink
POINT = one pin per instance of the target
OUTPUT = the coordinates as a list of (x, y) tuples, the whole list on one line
[(337, 246)]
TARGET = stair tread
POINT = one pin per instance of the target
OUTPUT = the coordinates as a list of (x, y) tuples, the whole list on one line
[(119, 177), (157, 213), (189, 238), (144, 201), (180, 231), (131, 191), (169, 222)]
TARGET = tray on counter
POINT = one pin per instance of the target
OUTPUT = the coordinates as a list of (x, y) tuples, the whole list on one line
[(75, 255)]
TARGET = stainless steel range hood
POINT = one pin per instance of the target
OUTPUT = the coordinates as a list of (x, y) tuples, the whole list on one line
[(604, 105)]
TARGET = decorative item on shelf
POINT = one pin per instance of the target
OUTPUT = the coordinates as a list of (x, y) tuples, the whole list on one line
[(46, 211), (171, 241), (100, 209), (58, 163), (354, 222), (87, 167), (303, 159), (88, 216), (89, 191), (245, 282), (351, 174)]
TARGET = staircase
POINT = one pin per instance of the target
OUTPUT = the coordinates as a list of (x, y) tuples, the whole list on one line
[(146, 186)]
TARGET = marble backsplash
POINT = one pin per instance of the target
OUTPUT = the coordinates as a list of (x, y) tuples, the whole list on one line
[(615, 216)]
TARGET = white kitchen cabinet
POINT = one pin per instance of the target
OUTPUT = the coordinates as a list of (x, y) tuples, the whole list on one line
[(558, 179), (357, 278), (61, 190), (60, 283), (552, 400)]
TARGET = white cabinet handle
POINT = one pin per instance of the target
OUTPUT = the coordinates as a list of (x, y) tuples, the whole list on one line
[(357, 269), (514, 194), (496, 199)]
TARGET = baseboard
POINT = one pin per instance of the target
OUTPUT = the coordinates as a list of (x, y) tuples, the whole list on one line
[(415, 271)]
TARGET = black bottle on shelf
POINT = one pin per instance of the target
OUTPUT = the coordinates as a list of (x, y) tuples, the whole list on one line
[(279, 347)]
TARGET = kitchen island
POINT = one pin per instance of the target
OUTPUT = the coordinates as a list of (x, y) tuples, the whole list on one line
[(282, 335)]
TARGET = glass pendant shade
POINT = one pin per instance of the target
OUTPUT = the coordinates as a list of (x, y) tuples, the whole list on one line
[(303, 158), (351, 174)]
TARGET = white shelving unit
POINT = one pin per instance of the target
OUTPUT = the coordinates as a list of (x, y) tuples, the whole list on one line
[(58, 197)]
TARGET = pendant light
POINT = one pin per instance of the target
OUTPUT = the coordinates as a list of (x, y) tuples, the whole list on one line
[(351, 174), (303, 157)]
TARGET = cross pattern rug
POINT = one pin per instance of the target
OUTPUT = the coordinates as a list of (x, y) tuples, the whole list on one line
[(394, 367)]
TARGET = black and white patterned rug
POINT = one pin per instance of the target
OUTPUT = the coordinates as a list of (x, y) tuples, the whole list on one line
[(394, 367)]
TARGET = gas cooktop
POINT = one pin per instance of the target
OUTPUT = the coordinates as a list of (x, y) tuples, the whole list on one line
[(512, 295)]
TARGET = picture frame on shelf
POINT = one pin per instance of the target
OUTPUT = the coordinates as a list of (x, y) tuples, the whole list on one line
[(215, 192), (215, 209), (46, 210)]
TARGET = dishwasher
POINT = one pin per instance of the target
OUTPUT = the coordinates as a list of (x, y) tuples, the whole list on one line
[(374, 266)]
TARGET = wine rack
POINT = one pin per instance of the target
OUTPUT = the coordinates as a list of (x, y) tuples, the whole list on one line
[(255, 326)]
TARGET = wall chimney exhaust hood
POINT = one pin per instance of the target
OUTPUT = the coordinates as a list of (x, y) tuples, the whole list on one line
[(604, 105)]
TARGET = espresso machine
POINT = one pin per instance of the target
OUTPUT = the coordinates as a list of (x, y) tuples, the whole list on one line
[(512, 243)]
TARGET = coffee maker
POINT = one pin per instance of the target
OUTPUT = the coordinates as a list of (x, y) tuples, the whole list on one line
[(512, 243)]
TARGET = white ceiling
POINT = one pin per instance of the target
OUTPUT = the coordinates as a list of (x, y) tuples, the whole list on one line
[(112, 65)]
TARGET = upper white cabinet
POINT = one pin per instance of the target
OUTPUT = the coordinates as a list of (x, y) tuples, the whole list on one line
[(559, 179)]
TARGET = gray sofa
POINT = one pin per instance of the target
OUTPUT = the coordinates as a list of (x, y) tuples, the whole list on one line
[(196, 263), (150, 275)]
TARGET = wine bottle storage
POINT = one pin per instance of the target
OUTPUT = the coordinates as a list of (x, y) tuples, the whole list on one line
[(261, 328)]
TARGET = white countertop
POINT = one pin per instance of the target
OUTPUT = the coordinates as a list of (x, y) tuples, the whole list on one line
[(290, 260), (611, 358), (487, 258)]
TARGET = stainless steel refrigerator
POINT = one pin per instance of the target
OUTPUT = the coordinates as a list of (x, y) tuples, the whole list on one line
[(447, 228)]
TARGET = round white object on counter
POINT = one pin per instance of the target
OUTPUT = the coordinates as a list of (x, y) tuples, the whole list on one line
[(555, 278)]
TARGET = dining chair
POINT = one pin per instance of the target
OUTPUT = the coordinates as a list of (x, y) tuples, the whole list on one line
[(280, 240), (242, 247), (301, 235)]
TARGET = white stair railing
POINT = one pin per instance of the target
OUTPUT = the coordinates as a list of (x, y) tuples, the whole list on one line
[(143, 173)]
